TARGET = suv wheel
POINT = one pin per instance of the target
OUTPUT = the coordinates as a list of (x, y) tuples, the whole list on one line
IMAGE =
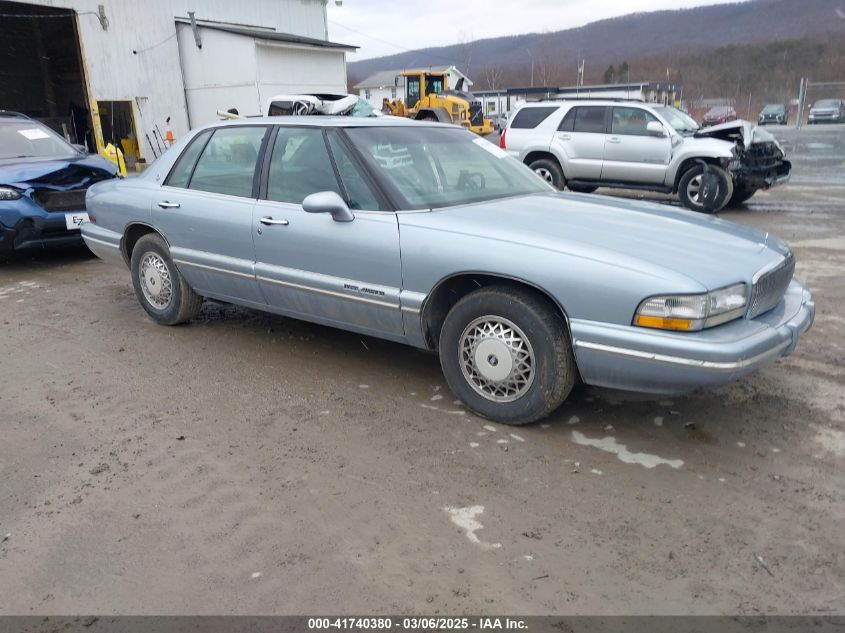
[(160, 289), (740, 195), (689, 188), (549, 170), (506, 354), (582, 188)]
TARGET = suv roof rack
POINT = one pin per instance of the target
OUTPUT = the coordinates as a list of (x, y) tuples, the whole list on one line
[(576, 98), (13, 114)]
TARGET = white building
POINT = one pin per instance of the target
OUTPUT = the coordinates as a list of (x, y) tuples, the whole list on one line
[(390, 84), (99, 70)]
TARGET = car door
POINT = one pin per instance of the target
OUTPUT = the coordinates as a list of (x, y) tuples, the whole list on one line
[(204, 211), (309, 266), (580, 138), (631, 153)]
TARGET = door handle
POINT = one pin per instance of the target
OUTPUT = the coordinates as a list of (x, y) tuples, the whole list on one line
[(564, 137), (614, 140), (164, 204), (268, 221)]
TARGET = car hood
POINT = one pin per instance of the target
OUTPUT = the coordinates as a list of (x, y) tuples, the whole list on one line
[(73, 172), (746, 131), (661, 240)]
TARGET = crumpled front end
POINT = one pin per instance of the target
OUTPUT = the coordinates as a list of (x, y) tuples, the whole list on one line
[(45, 202), (759, 161)]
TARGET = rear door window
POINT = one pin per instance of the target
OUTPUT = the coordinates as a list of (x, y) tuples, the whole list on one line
[(590, 119), (227, 164), (184, 167), (529, 118), (568, 123)]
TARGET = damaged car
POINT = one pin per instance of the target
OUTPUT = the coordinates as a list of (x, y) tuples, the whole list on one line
[(584, 145), (43, 182)]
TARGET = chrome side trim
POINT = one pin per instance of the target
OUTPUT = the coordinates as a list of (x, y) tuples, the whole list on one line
[(214, 269), (687, 362), (411, 309), (103, 242), (330, 293)]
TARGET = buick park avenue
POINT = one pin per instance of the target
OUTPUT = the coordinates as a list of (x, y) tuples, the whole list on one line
[(424, 234)]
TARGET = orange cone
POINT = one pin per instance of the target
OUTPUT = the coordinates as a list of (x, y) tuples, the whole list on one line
[(168, 133)]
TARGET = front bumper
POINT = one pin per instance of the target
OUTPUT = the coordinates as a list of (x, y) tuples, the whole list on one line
[(762, 178), (42, 231), (652, 361)]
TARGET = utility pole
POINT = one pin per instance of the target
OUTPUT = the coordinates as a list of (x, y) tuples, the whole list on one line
[(530, 54)]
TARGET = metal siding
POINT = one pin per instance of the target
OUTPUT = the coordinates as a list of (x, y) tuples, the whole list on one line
[(154, 74)]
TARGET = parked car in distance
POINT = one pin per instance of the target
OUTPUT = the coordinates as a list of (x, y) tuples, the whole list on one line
[(827, 111), (776, 113), (43, 180), (587, 144), (458, 249), (717, 115)]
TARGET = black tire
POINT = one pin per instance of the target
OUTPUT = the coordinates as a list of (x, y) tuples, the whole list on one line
[(739, 196), (549, 170), (532, 318), (183, 303), (582, 188), (724, 191)]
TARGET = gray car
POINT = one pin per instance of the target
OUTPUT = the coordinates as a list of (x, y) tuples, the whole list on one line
[(425, 234)]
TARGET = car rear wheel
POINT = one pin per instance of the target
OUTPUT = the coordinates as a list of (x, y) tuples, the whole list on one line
[(506, 353), (160, 289), (690, 189), (549, 170)]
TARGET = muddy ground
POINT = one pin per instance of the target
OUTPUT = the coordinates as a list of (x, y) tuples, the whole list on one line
[(248, 463)]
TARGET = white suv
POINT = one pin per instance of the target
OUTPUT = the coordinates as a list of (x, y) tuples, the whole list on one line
[(586, 144)]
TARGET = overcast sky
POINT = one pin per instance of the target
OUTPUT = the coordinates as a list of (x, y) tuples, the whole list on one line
[(385, 27)]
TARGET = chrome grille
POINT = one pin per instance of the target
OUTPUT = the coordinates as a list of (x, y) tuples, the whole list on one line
[(769, 289)]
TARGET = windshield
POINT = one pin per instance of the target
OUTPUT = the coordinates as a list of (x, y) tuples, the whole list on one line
[(773, 108), (30, 139), (434, 167), (827, 103), (680, 121)]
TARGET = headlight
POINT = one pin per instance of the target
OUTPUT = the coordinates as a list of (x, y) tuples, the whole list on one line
[(7, 193), (690, 313)]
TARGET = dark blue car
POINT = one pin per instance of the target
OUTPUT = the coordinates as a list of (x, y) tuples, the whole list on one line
[(43, 180)]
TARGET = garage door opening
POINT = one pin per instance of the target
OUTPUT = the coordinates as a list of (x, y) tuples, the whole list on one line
[(41, 69), (118, 126)]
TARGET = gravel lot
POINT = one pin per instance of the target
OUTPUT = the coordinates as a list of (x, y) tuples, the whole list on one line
[(248, 463)]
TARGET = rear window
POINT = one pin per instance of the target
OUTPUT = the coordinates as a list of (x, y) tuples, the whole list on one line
[(529, 118)]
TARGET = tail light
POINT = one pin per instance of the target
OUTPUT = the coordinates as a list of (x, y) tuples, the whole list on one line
[(502, 139)]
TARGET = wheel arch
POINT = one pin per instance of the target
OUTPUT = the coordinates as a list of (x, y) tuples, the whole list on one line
[(134, 232), (452, 288), (686, 163), (543, 154)]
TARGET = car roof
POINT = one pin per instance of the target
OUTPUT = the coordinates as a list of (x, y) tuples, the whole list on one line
[(586, 101), (330, 121)]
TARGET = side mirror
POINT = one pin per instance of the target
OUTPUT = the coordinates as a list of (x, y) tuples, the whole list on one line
[(654, 128), (80, 148), (328, 202)]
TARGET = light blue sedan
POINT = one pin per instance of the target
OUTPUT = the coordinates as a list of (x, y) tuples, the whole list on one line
[(425, 234)]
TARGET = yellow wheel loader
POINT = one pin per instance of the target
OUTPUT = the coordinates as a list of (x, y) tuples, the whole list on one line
[(428, 98)]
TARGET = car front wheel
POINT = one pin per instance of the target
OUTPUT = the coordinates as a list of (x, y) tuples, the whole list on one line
[(549, 171), (160, 289), (690, 189), (506, 353)]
